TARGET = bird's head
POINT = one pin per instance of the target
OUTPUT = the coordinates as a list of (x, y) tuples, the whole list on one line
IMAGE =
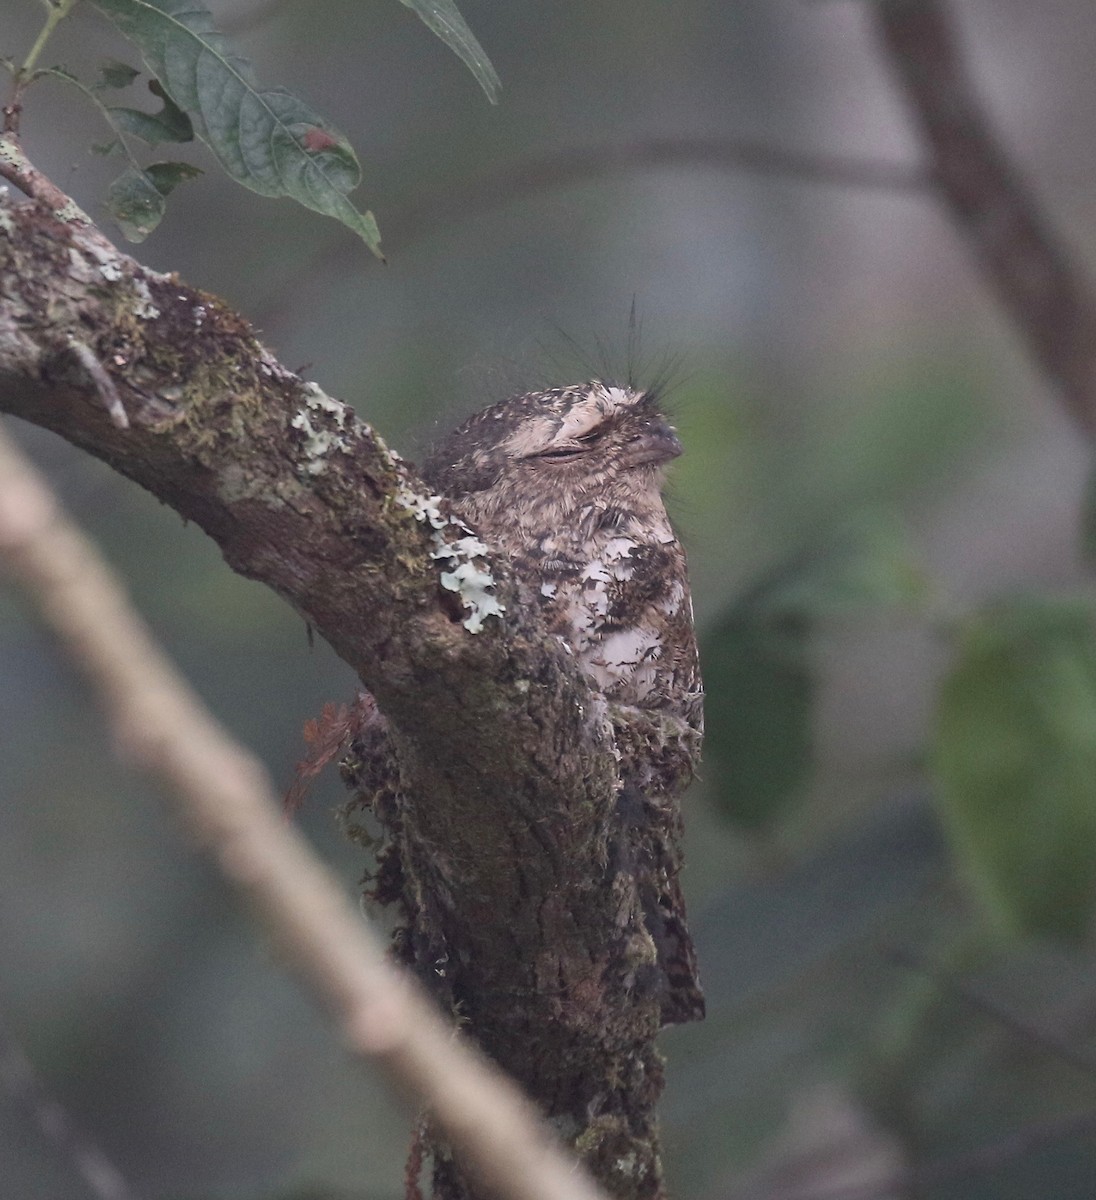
[(561, 449)]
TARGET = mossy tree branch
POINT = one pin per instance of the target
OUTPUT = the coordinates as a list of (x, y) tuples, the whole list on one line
[(506, 755)]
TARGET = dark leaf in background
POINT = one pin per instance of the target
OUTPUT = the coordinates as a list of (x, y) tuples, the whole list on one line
[(862, 563), (760, 685), (136, 198), (265, 140), (760, 691), (170, 124), (116, 75), (166, 176), (1015, 760)]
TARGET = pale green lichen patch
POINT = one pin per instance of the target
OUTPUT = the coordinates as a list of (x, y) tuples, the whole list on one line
[(314, 421), (11, 155), (320, 401), (472, 582), (71, 213), (422, 508), (143, 308), (7, 225)]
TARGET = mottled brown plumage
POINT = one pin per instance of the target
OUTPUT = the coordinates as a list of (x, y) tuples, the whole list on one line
[(568, 484)]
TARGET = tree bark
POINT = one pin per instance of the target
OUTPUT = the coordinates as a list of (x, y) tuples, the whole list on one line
[(507, 757)]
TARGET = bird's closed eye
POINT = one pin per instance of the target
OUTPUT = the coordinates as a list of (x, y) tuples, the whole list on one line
[(572, 449)]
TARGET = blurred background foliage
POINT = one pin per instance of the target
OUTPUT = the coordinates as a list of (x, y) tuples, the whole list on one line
[(891, 850)]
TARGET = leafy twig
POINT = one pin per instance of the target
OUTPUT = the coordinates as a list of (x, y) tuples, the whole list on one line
[(57, 10), (104, 110)]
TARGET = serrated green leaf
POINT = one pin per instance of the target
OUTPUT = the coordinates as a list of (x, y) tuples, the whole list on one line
[(134, 201), (443, 18), (760, 690), (116, 75), (1015, 761), (166, 176), (106, 149), (1088, 518), (269, 141)]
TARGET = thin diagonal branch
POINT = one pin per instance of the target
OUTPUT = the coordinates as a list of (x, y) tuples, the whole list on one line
[(1020, 1027), (224, 796), (574, 165), (16, 168), (1034, 275), (20, 1080)]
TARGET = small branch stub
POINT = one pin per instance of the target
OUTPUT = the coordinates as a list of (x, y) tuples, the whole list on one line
[(104, 385)]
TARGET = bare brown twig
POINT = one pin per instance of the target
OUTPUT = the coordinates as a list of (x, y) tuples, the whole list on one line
[(224, 796), (16, 168), (1037, 280)]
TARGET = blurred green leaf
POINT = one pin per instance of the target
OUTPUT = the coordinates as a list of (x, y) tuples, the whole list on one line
[(1088, 518), (166, 176), (116, 75), (170, 124), (443, 18), (136, 198), (894, 432), (864, 563), (136, 203), (1015, 760), (269, 141), (760, 691)]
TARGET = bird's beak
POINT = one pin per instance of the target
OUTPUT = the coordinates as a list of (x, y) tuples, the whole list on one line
[(657, 444)]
